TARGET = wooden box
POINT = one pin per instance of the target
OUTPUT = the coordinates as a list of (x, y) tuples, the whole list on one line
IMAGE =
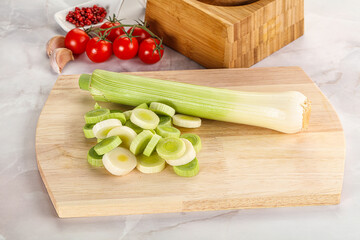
[(226, 36)]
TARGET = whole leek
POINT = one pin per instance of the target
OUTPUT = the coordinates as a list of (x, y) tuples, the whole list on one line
[(286, 112)]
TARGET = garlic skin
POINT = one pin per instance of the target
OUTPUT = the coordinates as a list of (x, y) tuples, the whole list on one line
[(59, 58), (54, 43)]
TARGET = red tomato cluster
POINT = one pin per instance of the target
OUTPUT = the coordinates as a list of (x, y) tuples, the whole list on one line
[(147, 52), (138, 42), (139, 33), (114, 33), (76, 40), (125, 45), (86, 16)]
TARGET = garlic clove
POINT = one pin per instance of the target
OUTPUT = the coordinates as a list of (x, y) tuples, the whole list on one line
[(54, 43), (59, 58)]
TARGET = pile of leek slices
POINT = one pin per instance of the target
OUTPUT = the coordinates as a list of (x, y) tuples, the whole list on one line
[(142, 138)]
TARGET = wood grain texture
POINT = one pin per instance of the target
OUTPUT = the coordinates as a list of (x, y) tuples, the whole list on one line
[(230, 37), (240, 166), (228, 2)]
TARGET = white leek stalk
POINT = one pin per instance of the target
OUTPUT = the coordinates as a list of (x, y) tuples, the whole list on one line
[(286, 112)]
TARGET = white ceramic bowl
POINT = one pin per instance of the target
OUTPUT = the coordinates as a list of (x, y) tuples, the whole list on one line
[(111, 6)]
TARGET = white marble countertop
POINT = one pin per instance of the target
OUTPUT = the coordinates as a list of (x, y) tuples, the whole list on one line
[(329, 52)]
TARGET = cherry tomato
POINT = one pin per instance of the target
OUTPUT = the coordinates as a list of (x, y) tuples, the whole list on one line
[(146, 51), (76, 40), (98, 50), (114, 33), (139, 33), (125, 47)]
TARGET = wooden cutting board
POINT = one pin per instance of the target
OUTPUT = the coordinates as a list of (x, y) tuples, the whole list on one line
[(240, 166)]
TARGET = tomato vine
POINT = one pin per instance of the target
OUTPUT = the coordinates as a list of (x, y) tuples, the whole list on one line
[(141, 25)]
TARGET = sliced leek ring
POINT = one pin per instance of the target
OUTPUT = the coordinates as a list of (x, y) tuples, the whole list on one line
[(126, 134), (96, 115), (115, 111), (165, 120), (139, 143), (162, 109), (119, 161), (194, 139), (134, 127), (116, 115), (144, 118), (190, 169), (127, 114), (167, 131), (150, 164), (94, 159), (107, 145), (102, 128), (150, 147), (142, 106), (171, 148), (88, 130), (187, 157), (186, 121)]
